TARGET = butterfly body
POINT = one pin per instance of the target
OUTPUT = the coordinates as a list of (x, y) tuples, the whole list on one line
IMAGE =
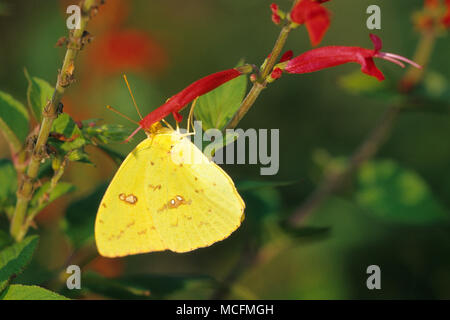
[(166, 195)]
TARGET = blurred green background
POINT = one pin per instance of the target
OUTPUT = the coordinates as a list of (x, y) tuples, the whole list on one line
[(185, 40)]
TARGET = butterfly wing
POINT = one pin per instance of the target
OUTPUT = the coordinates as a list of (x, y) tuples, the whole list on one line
[(194, 203), (124, 224)]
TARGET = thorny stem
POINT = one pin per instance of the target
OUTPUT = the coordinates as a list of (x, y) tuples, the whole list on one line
[(25, 189), (374, 140)]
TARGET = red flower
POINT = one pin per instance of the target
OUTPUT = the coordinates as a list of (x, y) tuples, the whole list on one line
[(314, 16), (275, 16), (287, 56), (446, 18), (326, 57), (181, 99), (125, 50)]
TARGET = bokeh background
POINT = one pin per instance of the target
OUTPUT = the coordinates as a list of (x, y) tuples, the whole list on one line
[(176, 42)]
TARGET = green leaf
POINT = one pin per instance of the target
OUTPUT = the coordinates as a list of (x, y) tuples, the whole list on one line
[(38, 93), (40, 200), (216, 108), (358, 83), (396, 194), (211, 149), (65, 126), (146, 286), (21, 292), (114, 155), (80, 217), (14, 258), (105, 133), (8, 185), (5, 239), (13, 120)]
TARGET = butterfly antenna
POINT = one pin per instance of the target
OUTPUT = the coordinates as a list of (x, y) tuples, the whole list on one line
[(121, 114), (167, 124), (132, 97), (191, 116)]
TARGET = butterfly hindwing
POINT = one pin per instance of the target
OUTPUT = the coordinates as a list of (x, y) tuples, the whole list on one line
[(166, 195), (199, 204)]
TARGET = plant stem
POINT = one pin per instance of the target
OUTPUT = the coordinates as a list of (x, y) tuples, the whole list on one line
[(367, 150), (25, 188), (374, 140), (260, 83)]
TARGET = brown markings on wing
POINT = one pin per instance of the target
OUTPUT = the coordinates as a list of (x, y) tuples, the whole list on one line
[(157, 187), (175, 203), (130, 199)]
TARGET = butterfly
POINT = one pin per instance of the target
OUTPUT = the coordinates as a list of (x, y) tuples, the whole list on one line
[(166, 195)]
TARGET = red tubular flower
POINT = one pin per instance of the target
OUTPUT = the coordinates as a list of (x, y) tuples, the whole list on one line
[(314, 16), (177, 102), (326, 57)]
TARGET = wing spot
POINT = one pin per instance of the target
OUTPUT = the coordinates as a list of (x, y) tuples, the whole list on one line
[(175, 203), (152, 163), (130, 199), (104, 205)]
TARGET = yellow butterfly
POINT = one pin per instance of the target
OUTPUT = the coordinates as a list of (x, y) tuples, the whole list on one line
[(160, 199)]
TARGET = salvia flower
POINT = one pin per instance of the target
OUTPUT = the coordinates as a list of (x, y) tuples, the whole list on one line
[(331, 56), (314, 16), (177, 102)]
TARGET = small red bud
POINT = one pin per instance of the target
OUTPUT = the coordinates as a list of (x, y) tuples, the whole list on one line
[(276, 73), (287, 56)]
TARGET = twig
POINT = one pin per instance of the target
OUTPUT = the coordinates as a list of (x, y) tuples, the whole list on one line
[(367, 150), (374, 140), (25, 189), (260, 83)]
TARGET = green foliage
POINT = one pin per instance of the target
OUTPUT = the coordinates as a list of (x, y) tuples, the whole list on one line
[(148, 286), (38, 93), (8, 185), (216, 108), (211, 149), (44, 196), (358, 83), (21, 292), (14, 258), (13, 120), (5, 239), (396, 194), (112, 154), (80, 217), (105, 133), (69, 138), (69, 131)]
